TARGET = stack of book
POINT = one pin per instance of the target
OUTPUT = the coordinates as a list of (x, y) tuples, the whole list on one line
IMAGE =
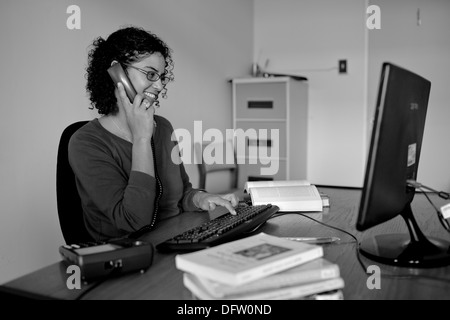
[(260, 267)]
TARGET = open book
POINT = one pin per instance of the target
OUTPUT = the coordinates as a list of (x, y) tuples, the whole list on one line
[(242, 261), (288, 195)]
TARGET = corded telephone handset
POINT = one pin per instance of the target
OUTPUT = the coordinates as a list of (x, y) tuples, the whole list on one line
[(118, 75)]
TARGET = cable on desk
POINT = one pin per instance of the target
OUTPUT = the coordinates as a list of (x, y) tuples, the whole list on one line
[(317, 221), (98, 283), (442, 220), (358, 255), (81, 295), (418, 185)]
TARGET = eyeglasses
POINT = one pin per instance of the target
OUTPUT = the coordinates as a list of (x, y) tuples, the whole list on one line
[(152, 75)]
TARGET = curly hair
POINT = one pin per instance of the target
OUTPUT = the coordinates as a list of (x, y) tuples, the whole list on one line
[(126, 45)]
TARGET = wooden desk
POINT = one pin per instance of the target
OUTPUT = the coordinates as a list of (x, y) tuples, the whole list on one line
[(163, 281)]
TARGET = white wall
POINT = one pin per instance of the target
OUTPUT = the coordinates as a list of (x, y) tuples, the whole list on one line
[(42, 88), (424, 49), (308, 37)]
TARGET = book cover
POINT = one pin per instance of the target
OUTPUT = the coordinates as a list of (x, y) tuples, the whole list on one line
[(244, 260), (315, 270), (285, 293), (288, 195)]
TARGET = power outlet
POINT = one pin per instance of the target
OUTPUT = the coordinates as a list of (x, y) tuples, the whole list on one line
[(342, 66)]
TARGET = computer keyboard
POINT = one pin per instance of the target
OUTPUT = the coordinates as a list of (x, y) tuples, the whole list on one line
[(222, 229)]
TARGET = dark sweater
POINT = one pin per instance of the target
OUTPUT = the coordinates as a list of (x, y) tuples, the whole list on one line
[(117, 201)]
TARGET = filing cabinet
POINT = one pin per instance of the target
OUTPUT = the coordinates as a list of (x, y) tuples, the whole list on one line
[(270, 117)]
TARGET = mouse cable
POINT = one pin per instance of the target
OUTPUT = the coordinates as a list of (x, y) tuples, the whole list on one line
[(444, 195), (317, 221), (444, 222), (358, 254), (418, 185)]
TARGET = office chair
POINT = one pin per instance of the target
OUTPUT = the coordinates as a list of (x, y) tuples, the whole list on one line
[(205, 169), (70, 212)]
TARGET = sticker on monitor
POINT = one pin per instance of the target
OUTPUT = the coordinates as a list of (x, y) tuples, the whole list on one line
[(412, 154)]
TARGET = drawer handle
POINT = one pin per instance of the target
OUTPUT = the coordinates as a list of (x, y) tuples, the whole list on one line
[(258, 143), (260, 104), (259, 178)]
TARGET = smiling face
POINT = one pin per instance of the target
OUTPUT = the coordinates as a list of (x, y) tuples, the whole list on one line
[(151, 63)]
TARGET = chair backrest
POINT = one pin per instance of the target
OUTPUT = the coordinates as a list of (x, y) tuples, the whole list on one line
[(206, 165), (70, 212)]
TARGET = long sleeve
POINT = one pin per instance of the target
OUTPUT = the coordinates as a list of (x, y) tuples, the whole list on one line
[(127, 200), (187, 203), (116, 200), (188, 192)]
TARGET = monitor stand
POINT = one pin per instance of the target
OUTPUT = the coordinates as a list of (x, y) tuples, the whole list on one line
[(413, 250)]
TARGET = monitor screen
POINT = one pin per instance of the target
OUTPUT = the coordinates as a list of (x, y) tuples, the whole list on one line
[(393, 159)]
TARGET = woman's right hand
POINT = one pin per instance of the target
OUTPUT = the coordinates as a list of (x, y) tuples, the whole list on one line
[(139, 115)]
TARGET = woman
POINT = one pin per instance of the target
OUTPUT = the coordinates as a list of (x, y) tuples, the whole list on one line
[(125, 176)]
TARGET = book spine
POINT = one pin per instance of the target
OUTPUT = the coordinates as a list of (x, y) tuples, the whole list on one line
[(278, 281), (292, 292), (277, 266), (296, 291), (191, 267), (336, 294), (194, 289), (304, 206)]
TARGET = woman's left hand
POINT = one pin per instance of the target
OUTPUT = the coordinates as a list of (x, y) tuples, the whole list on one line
[(208, 201)]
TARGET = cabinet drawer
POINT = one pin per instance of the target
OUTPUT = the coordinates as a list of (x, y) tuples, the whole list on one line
[(261, 100), (253, 171), (258, 134)]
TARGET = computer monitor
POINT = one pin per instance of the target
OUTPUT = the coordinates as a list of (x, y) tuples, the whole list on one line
[(394, 154)]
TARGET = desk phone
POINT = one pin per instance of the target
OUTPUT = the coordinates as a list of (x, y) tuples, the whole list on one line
[(113, 257)]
